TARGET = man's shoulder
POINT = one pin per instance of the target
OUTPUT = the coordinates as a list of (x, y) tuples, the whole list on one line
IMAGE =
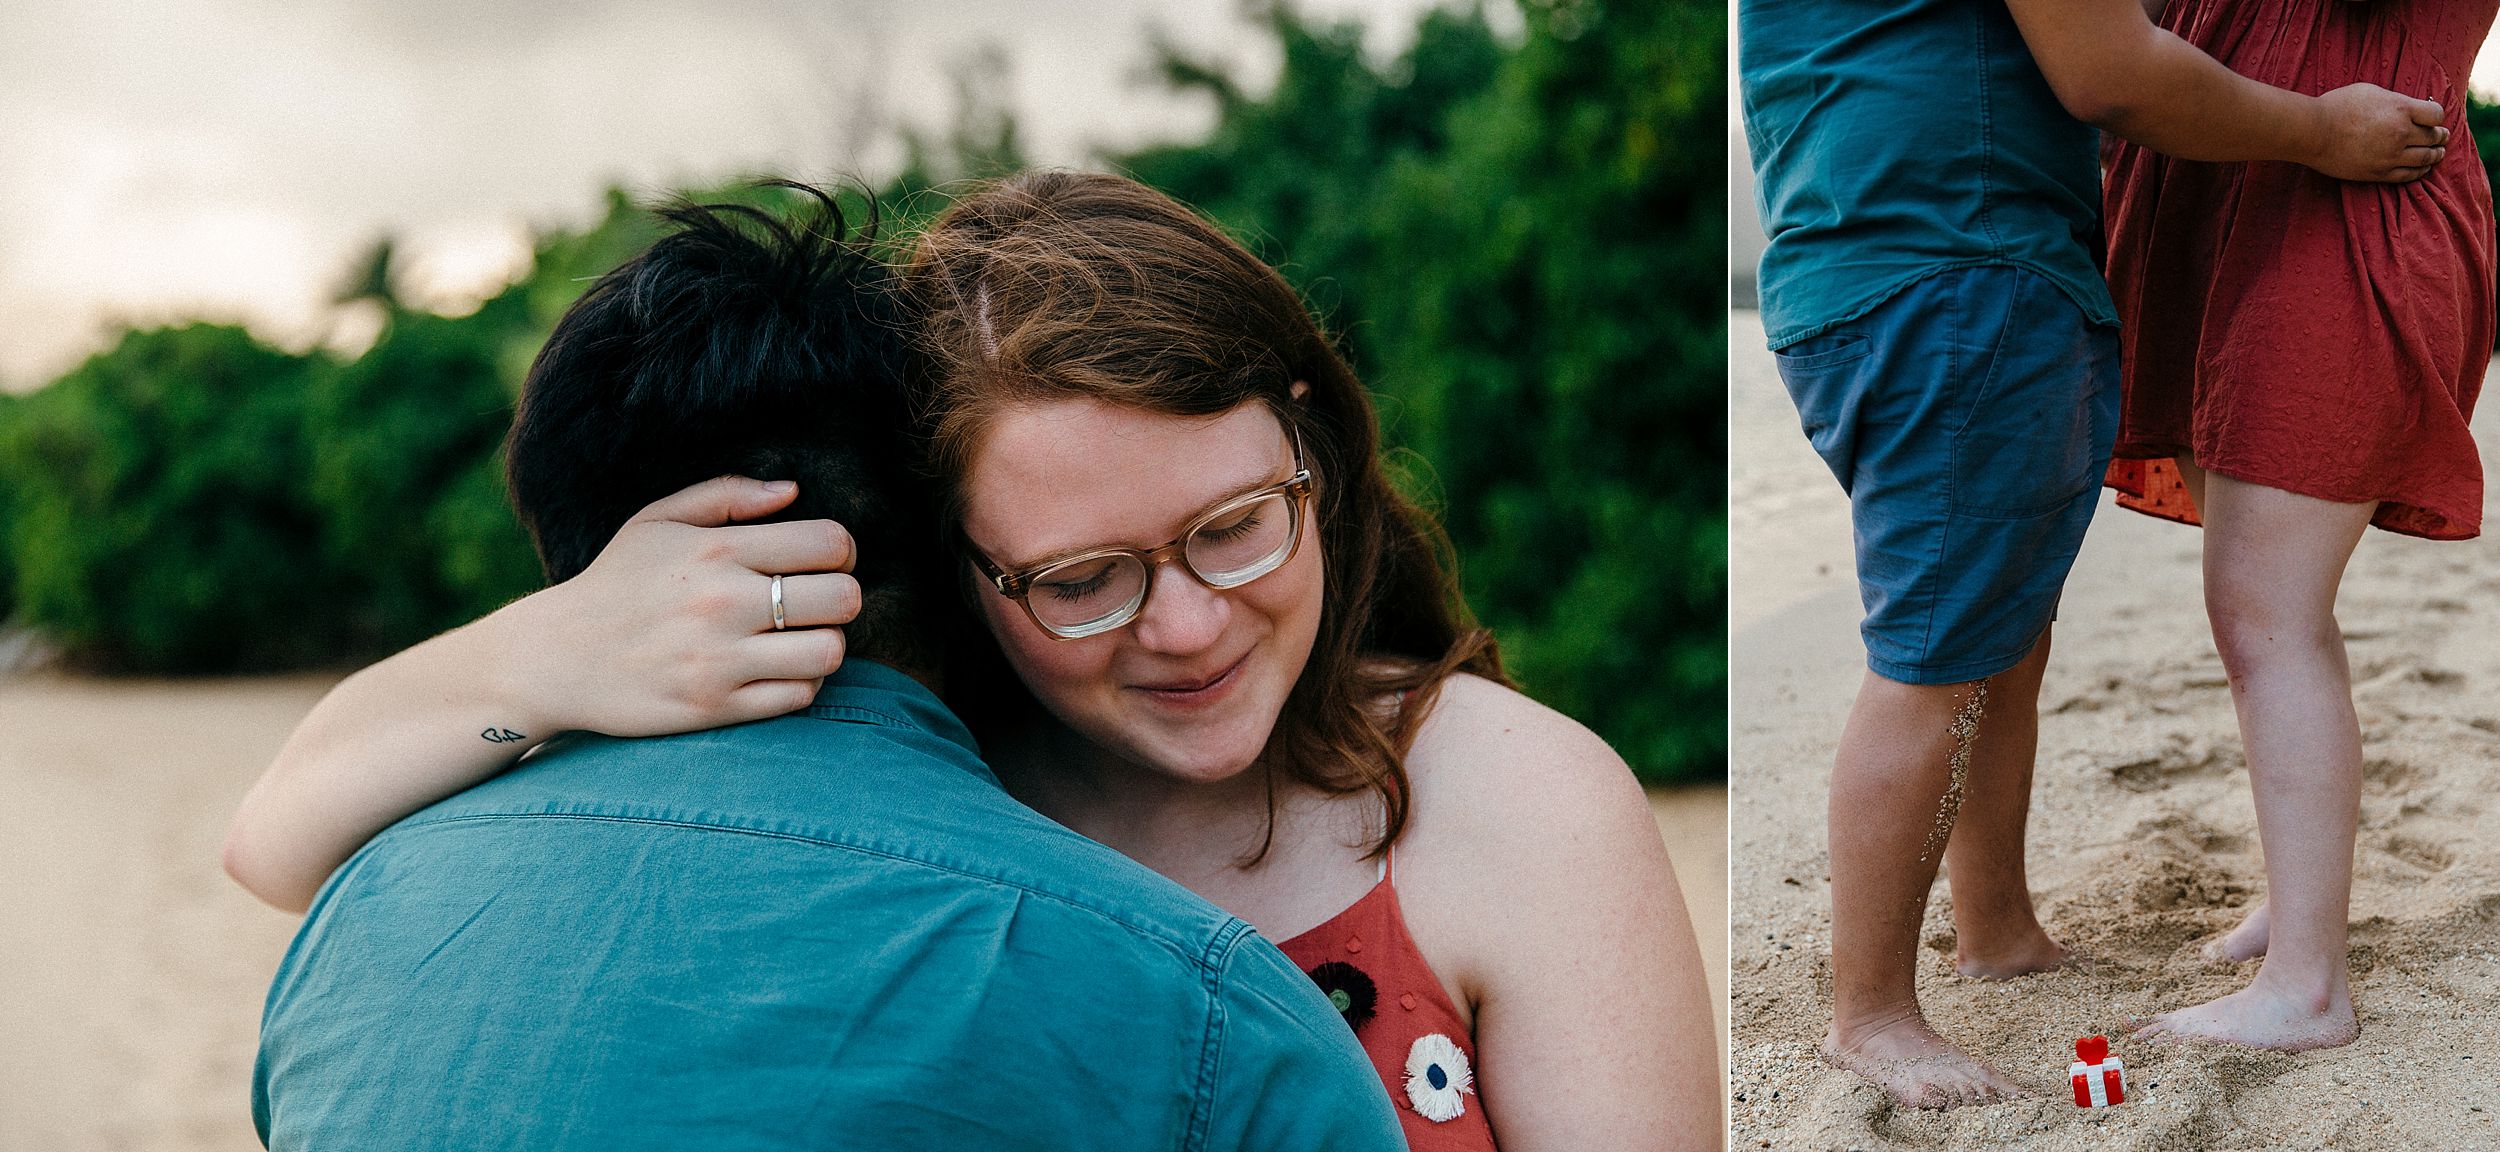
[(809, 802)]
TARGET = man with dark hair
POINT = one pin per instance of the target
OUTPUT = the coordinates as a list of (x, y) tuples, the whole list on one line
[(830, 929)]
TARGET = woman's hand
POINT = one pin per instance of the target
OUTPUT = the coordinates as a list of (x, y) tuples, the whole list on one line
[(671, 628)]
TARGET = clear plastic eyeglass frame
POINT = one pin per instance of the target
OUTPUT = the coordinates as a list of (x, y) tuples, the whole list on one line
[(1295, 492)]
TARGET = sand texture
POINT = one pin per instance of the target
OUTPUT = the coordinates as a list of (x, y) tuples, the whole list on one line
[(132, 970), (2143, 840)]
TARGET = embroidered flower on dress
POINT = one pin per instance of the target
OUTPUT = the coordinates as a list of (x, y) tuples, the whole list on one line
[(1436, 1077), (1349, 989)]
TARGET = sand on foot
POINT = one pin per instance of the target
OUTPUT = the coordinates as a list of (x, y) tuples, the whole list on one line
[(2143, 842)]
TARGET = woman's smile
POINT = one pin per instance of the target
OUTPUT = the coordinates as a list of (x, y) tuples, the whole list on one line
[(1195, 692), (1193, 686)]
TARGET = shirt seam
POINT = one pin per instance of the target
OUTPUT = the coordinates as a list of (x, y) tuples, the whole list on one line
[(879, 718), (1213, 962), (1987, 140), (862, 714), (1177, 947)]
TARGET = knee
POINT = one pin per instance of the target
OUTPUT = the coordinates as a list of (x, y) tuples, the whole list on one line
[(2256, 627)]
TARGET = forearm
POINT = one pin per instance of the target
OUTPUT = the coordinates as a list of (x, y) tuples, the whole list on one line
[(385, 742), (2138, 81), (2181, 102)]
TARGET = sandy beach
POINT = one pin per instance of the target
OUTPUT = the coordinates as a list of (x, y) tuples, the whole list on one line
[(132, 970), (2143, 839)]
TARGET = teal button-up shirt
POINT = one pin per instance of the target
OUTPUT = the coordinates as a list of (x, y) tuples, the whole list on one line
[(1896, 139), (829, 930)]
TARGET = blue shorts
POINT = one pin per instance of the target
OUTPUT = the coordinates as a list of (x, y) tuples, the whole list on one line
[(1969, 418)]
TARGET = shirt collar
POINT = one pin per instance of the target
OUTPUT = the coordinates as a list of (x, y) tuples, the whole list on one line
[(864, 691)]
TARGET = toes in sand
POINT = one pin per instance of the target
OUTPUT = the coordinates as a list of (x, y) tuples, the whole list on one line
[(1918, 1068), (2254, 1017)]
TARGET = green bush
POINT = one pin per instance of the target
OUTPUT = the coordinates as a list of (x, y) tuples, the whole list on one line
[(9, 407), (400, 438), (1520, 245), (155, 510)]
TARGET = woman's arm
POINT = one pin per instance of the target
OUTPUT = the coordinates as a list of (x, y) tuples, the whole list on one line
[(1535, 868), (669, 630)]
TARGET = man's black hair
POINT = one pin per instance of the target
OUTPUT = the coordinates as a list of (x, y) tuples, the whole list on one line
[(744, 342)]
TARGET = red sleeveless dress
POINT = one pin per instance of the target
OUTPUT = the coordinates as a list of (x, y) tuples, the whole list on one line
[(2296, 331), (1366, 961)]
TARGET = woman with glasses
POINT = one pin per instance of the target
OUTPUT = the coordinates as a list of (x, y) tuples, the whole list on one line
[(1211, 635)]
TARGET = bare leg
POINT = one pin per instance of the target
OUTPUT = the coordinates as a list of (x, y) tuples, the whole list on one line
[(1890, 825), (2246, 941), (2273, 561), (1996, 931)]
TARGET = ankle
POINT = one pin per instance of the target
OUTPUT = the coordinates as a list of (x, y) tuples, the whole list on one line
[(2316, 993), (2013, 929), (1852, 1029), (1993, 927)]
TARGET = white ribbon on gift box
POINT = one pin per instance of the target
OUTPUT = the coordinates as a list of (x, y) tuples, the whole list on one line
[(2093, 1081)]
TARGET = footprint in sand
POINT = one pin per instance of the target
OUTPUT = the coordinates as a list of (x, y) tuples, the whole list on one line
[(2386, 774), (2179, 757), (2396, 671), (2419, 852)]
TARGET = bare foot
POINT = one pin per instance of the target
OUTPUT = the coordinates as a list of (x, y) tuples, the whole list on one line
[(2246, 942), (2039, 953), (1913, 1065), (2259, 1017)]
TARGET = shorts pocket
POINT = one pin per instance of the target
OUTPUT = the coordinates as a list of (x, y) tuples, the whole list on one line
[(1829, 350), (1827, 393), (2033, 434)]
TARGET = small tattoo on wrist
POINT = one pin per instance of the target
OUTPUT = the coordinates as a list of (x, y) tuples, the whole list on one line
[(502, 735)]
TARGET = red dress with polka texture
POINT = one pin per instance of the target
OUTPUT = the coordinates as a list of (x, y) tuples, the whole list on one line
[(1368, 963), (2296, 331)]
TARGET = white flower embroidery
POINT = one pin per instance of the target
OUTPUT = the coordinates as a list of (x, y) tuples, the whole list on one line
[(1436, 1075)]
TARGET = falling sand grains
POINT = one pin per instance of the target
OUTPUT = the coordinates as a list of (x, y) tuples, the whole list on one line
[(1965, 732)]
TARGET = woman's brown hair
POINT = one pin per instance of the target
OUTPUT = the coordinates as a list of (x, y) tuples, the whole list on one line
[(1055, 285)]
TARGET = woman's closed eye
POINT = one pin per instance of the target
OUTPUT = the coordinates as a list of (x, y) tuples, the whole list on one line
[(1088, 582), (1239, 526)]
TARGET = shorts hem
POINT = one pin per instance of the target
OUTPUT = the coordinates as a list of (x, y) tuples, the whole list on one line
[(1929, 676)]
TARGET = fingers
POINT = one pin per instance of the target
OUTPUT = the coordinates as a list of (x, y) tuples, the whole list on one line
[(816, 600), (2425, 136), (765, 699), (2429, 112), (791, 546), (809, 654), (2420, 157), (721, 500)]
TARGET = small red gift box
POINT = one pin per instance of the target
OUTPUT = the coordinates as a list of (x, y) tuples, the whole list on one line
[(2099, 1079)]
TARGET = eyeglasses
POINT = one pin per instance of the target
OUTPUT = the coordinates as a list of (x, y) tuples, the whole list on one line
[(1094, 592)]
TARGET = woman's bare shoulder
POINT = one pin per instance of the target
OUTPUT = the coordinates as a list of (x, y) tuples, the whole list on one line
[(1490, 747), (1528, 838)]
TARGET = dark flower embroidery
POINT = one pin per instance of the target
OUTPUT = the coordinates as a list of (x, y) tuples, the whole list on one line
[(1352, 992)]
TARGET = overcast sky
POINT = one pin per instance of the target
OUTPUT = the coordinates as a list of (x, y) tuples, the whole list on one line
[(228, 158)]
